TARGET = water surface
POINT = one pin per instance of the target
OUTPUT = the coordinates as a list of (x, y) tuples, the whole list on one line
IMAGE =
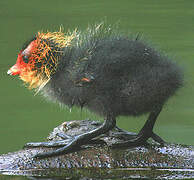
[(168, 25)]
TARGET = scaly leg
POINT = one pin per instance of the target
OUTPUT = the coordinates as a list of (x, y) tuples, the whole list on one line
[(145, 133)]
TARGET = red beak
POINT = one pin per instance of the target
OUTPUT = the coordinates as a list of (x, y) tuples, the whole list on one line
[(14, 70)]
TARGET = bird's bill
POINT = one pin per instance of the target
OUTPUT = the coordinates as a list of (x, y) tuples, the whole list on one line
[(14, 70), (17, 68)]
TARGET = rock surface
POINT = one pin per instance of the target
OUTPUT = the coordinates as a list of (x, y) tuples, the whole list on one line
[(98, 160)]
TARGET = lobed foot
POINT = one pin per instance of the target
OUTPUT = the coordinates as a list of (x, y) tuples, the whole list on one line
[(73, 145), (67, 145), (140, 139), (65, 139), (48, 144)]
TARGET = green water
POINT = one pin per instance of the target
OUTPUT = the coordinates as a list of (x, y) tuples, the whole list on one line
[(169, 25)]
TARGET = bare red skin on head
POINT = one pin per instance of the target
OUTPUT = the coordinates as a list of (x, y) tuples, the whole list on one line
[(20, 64), (30, 48), (16, 69)]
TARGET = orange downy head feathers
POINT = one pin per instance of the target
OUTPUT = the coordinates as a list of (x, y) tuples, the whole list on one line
[(39, 60)]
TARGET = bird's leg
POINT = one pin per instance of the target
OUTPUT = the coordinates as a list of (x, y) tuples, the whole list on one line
[(77, 141), (145, 133)]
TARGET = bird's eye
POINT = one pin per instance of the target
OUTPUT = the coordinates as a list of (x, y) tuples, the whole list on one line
[(25, 59)]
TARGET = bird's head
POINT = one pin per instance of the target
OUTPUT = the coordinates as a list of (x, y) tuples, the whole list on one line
[(38, 60)]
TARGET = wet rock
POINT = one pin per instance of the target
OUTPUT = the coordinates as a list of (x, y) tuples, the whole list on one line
[(98, 160)]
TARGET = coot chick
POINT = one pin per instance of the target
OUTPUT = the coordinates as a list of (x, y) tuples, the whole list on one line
[(102, 70)]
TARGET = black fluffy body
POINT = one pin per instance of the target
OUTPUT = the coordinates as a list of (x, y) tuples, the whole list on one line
[(127, 76)]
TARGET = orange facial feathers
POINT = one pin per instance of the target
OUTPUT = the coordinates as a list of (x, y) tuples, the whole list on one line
[(42, 56)]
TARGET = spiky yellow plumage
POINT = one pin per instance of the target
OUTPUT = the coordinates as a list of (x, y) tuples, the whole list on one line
[(43, 57)]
